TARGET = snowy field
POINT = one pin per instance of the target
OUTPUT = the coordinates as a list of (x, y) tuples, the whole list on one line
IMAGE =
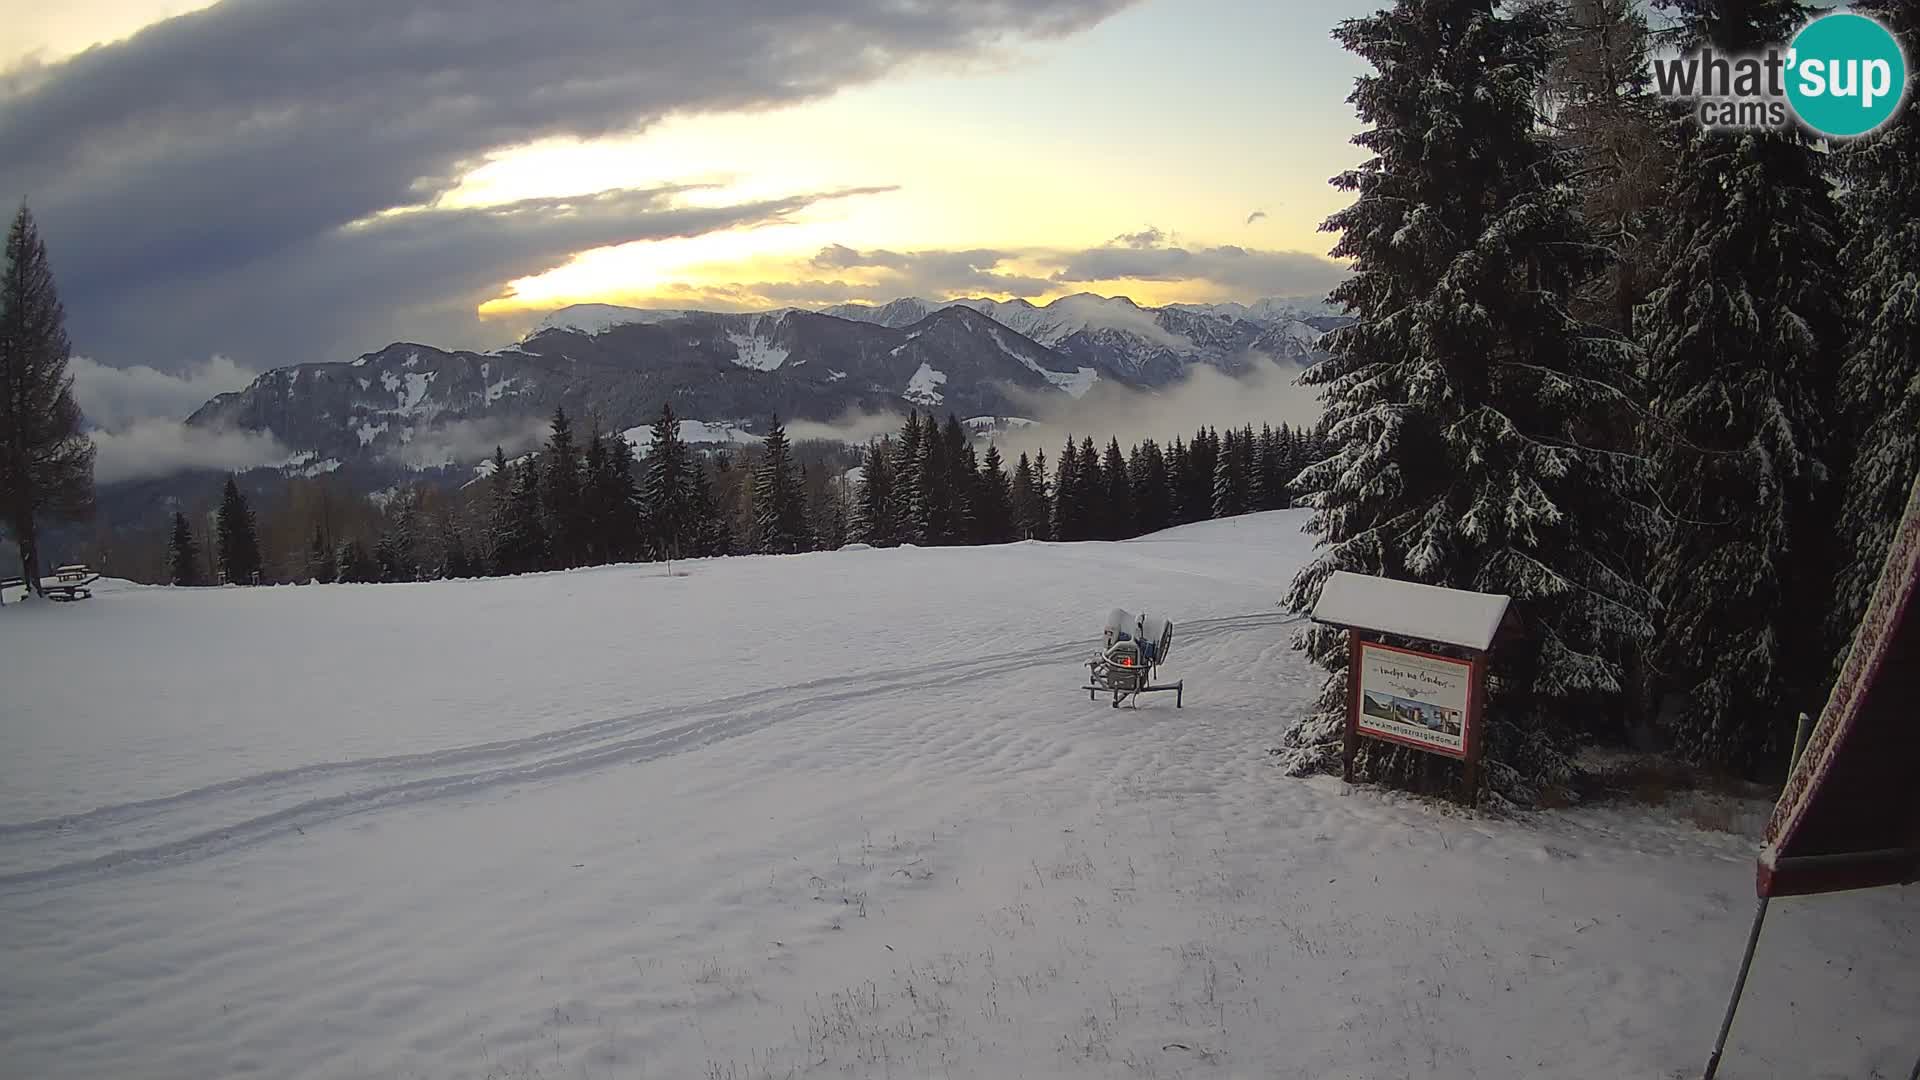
[(832, 814)]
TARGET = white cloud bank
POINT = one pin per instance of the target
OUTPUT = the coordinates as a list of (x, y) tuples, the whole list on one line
[(157, 447)]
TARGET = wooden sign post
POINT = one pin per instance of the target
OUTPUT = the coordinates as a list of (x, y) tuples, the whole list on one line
[(1421, 698)]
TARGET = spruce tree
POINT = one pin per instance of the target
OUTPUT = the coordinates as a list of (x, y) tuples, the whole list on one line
[(560, 493), (779, 507), (46, 461), (1043, 490), (1178, 464), (183, 554), (1152, 490), (715, 525), (1029, 509), (1600, 106), (907, 481), (1069, 508), (622, 503), (933, 489), (520, 544), (993, 517), (1880, 380), (1117, 499), (238, 543), (1203, 461), (669, 493), (1456, 397), (1230, 478), (963, 472), (1743, 334), (596, 500), (874, 508), (1093, 491)]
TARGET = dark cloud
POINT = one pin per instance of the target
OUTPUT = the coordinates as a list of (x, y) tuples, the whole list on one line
[(238, 144), (937, 273), (1257, 215)]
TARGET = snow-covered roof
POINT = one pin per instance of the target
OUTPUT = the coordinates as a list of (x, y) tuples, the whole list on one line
[(1428, 612)]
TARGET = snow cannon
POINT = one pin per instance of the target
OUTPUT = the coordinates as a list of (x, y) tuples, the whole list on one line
[(1132, 649)]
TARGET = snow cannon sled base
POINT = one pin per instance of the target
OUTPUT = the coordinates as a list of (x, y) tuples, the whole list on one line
[(1132, 651)]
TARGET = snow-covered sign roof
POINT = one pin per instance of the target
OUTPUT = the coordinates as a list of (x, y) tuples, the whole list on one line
[(1428, 612)]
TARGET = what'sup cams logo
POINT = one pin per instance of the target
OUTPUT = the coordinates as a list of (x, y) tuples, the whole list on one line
[(1843, 75)]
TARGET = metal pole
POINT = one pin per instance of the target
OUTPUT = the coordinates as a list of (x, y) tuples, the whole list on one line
[(1739, 984), (1800, 732)]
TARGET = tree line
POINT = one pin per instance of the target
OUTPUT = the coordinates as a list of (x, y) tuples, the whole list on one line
[(1656, 382), (591, 501)]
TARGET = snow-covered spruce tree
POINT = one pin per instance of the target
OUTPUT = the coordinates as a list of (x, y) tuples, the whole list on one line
[(779, 505), (1880, 379), (1743, 335), (1454, 400), (1599, 105)]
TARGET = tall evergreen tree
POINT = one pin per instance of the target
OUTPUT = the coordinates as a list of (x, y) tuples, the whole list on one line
[(1069, 496), (779, 506), (1178, 465), (1230, 477), (1599, 105), (520, 540), (1203, 463), (669, 491), (993, 516), (560, 493), (874, 518), (907, 492), (1117, 498), (357, 564), (237, 541), (622, 504), (596, 499), (46, 461), (1743, 333), (1880, 381), (1455, 399), (183, 554), (933, 489), (963, 473), (1152, 490), (1029, 509), (1043, 488)]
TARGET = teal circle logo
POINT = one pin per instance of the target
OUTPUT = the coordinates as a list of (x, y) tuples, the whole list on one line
[(1846, 74)]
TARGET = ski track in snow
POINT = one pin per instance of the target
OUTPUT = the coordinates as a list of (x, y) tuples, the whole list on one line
[(219, 817), (607, 823)]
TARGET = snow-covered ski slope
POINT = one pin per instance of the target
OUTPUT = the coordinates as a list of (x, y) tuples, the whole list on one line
[(828, 815)]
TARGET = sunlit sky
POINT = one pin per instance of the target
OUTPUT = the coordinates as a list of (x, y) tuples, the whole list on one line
[(1185, 116)]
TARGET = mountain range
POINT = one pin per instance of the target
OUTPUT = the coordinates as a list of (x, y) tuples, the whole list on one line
[(416, 406)]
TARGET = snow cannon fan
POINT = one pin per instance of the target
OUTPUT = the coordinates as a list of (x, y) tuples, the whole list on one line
[(1132, 650)]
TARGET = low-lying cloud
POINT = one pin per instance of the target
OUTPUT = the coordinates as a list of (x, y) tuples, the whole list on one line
[(116, 397), (155, 447), (469, 440), (1207, 398)]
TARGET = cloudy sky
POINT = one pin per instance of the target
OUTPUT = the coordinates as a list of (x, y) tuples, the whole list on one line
[(275, 181)]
